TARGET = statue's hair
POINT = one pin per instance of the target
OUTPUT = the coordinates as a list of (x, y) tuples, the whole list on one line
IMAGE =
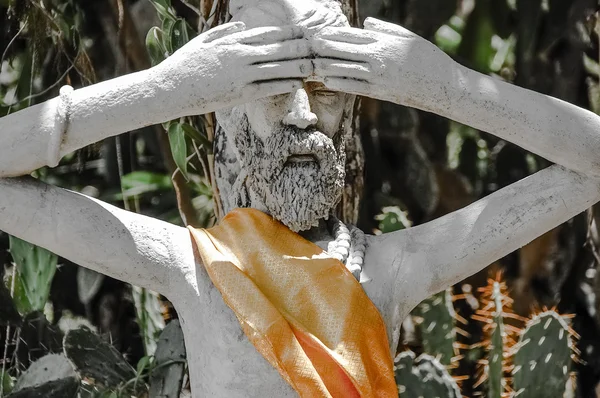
[(237, 5)]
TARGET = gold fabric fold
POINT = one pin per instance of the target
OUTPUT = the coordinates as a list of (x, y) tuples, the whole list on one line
[(303, 311)]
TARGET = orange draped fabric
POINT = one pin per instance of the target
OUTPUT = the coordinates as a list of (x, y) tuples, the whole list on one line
[(303, 311)]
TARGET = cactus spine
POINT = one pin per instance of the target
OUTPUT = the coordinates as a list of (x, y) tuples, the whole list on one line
[(495, 311)]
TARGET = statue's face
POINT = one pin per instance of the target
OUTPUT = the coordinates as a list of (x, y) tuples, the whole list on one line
[(291, 151)]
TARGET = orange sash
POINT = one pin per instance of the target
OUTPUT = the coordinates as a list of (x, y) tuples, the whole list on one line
[(303, 311)]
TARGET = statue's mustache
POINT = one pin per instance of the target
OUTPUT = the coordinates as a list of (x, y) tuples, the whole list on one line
[(291, 142)]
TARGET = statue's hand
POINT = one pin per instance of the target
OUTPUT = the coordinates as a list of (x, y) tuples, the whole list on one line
[(382, 61), (229, 65)]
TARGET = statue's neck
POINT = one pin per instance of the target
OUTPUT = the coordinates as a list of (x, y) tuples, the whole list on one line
[(320, 235)]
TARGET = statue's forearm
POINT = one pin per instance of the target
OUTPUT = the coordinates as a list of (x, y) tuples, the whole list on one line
[(203, 76), (126, 246), (36, 137), (436, 255), (401, 67), (556, 130)]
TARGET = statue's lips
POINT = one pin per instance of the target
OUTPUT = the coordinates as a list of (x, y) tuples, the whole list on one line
[(307, 158)]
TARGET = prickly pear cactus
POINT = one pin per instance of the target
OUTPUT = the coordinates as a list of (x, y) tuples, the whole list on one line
[(167, 376), (35, 271), (437, 323), (424, 376), (94, 358), (63, 388), (51, 376), (496, 306), (543, 356)]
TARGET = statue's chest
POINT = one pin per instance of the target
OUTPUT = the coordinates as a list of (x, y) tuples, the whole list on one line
[(227, 364)]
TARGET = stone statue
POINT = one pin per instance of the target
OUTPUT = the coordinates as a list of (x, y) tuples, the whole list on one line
[(282, 77)]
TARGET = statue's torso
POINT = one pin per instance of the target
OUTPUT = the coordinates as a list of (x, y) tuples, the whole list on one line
[(229, 364)]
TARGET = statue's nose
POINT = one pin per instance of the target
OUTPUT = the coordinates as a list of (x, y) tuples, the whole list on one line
[(299, 113)]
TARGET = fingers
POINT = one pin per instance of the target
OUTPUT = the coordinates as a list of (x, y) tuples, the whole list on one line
[(326, 48), (349, 85), (222, 31), (265, 35), (377, 25), (284, 70), (348, 35), (321, 18), (336, 68), (293, 49)]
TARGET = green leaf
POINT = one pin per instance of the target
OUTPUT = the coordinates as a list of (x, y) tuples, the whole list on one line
[(167, 28), (196, 135), (143, 364), (154, 44), (109, 394), (475, 45), (178, 147), (164, 9), (448, 39), (36, 268), (140, 182), (179, 35), (7, 382)]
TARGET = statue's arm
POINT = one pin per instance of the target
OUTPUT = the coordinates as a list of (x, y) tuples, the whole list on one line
[(220, 68), (388, 62), (431, 257), (124, 245)]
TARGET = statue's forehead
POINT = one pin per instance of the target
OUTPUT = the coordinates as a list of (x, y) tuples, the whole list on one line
[(257, 13)]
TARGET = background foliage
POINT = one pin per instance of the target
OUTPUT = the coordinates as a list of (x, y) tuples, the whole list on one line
[(418, 166)]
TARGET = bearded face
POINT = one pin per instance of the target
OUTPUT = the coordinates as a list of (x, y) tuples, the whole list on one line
[(290, 155), (298, 175), (285, 154)]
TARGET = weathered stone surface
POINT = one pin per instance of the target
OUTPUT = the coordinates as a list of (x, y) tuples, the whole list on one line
[(296, 82)]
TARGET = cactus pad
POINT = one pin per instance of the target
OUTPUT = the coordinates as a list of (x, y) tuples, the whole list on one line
[(495, 307), (94, 358), (543, 356), (169, 359), (423, 377), (436, 319), (36, 267)]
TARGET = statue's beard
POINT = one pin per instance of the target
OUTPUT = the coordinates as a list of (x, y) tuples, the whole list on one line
[(298, 194)]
